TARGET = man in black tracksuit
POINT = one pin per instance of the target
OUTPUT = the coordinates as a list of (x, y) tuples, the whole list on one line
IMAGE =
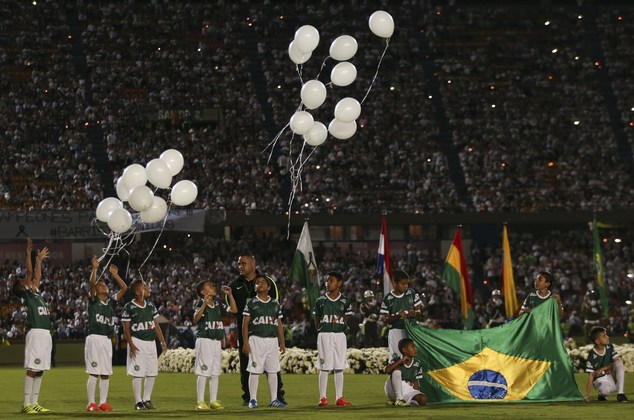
[(243, 288)]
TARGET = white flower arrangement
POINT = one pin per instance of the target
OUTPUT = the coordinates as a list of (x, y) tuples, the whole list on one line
[(579, 356), (294, 360)]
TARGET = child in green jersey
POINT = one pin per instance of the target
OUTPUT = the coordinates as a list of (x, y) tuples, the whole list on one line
[(544, 282), (331, 316), (402, 387), (39, 343), (141, 330), (262, 333), (98, 346), (209, 333), (603, 365)]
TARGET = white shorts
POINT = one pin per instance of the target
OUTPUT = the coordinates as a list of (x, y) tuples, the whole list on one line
[(393, 337), (264, 356), (208, 357), (409, 392), (37, 350), (331, 348), (145, 362), (605, 385), (98, 355)]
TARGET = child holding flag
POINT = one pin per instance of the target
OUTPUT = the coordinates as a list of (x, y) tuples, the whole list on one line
[(331, 316), (543, 284)]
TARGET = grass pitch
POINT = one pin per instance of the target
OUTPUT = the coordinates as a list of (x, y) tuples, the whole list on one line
[(64, 392)]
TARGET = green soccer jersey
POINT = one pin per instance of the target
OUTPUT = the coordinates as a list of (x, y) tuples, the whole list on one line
[(331, 313), (596, 361), (393, 304), (264, 316), (533, 300), (411, 373), (37, 313), (210, 324), (141, 318), (100, 316)]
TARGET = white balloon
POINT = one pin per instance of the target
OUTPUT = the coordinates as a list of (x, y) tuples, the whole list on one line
[(106, 207), (347, 110), (316, 135), (343, 74), (184, 193), (158, 173), (123, 192), (120, 221), (141, 198), (343, 48), (134, 175), (174, 160), (301, 122), (313, 94), (156, 213), (342, 130), (297, 56), (306, 39), (381, 24)]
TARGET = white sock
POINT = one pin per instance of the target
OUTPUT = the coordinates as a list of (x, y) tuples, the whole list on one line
[(37, 383), (272, 378), (397, 383), (104, 386), (323, 383), (149, 386), (137, 384), (213, 388), (91, 387), (28, 390), (201, 383), (339, 383), (254, 378), (620, 375)]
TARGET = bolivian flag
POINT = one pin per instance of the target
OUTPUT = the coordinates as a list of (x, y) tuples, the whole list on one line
[(523, 360), (456, 276)]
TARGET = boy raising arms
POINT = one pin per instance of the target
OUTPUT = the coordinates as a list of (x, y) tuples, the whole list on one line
[(37, 350), (208, 315), (140, 332), (402, 388), (262, 333), (331, 316), (603, 363), (98, 347), (399, 304), (543, 283)]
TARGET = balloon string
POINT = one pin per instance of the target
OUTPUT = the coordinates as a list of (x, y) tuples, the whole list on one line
[(273, 143), (387, 45), (323, 64), (169, 207)]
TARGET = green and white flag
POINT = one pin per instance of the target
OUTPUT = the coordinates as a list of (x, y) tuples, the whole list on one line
[(304, 268)]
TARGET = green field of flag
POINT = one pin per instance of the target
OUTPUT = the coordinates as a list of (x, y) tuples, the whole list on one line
[(64, 392)]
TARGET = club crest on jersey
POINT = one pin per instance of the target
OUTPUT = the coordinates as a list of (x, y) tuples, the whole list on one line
[(143, 326)]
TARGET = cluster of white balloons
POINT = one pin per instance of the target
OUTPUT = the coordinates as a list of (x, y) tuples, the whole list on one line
[(313, 92), (131, 187)]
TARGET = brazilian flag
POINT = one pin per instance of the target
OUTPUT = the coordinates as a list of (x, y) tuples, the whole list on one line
[(523, 360)]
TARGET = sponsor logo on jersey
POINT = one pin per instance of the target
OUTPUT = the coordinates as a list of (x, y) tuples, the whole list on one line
[(43, 310), (214, 325), (143, 326), (105, 320), (264, 320), (332, 319)]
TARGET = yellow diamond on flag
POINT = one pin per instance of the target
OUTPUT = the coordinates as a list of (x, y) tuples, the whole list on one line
[(491, 375)]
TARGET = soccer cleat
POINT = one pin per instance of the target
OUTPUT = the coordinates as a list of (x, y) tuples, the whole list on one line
[(323, 402), (277, 403), (216, 405), (92, 407), (202, 406), (602, 398), (39, 409), (140, 406), (245, 403), (105, 407), (401, 403), (621, 397), (341, 402), (27, 409), (253, 404), (149, 406), (281, 399), (389, 402)]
